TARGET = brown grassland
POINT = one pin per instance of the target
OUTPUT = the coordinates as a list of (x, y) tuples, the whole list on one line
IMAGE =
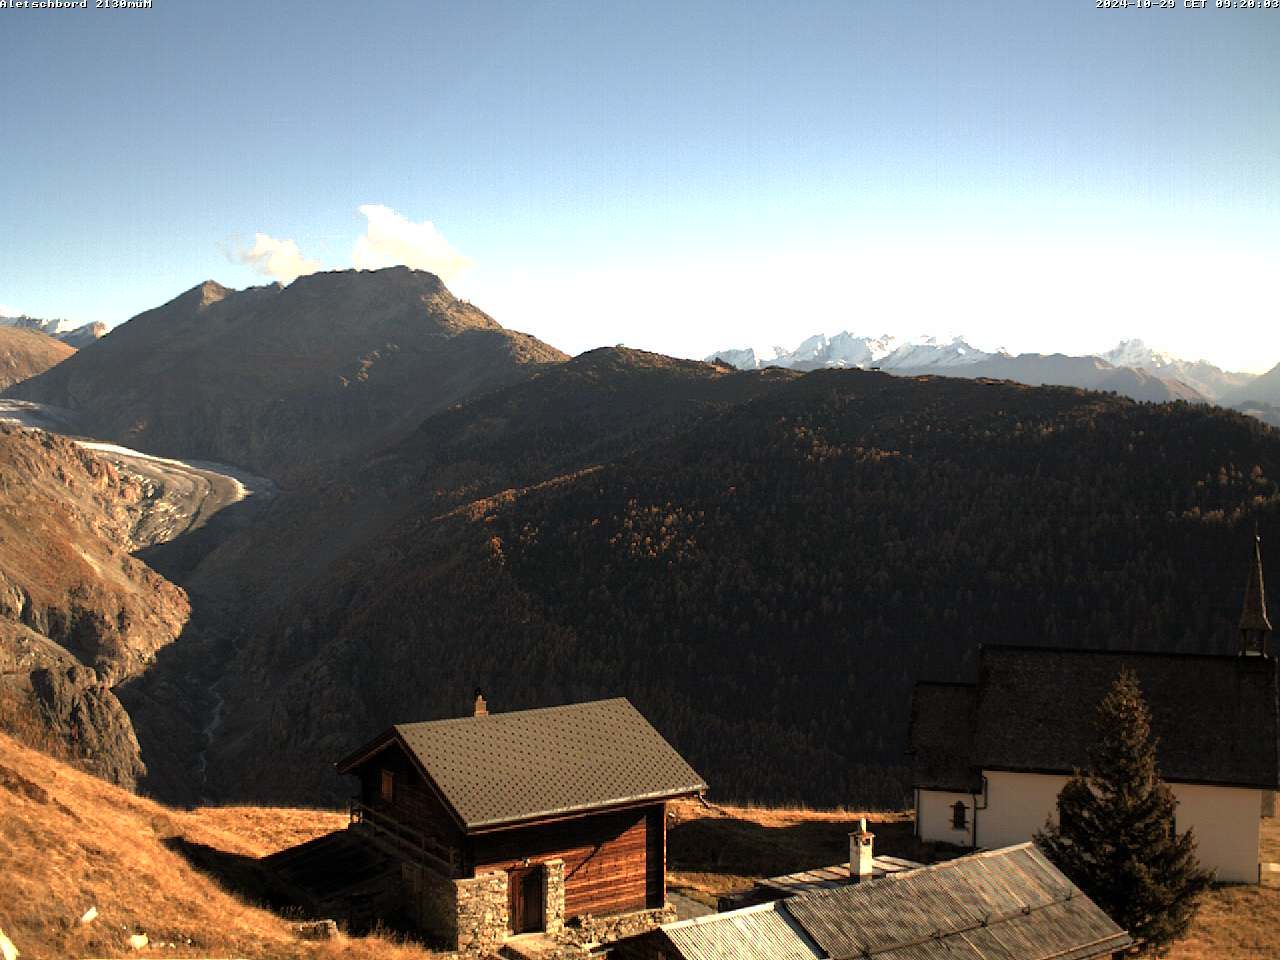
[(69, 841)]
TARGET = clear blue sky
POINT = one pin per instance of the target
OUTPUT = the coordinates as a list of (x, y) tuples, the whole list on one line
[(676, 176)]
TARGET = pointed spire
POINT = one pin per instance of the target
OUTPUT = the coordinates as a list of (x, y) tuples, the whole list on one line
[(1254, 616), (1254, 623)]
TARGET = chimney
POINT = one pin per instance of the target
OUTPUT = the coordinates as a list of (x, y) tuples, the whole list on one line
[(482, 708), (861, 853)]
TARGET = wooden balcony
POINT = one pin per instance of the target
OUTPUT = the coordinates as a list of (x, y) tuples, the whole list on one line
[(406, 840)]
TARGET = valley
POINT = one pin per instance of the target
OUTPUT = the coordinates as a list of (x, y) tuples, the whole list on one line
[(732, 550)]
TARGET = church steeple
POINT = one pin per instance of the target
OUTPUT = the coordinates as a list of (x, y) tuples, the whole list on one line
[(1255, 627)]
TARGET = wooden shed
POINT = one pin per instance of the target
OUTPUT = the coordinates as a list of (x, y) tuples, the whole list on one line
[(988, 906), (566, 806)]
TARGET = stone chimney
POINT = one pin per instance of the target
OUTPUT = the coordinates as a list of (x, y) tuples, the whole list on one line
[(482, 708), (861, 853)]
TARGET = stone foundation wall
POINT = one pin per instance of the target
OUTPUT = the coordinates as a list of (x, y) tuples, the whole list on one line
[(481, 913), (553, 897), (468, 916), (589, 929), (431, 901)]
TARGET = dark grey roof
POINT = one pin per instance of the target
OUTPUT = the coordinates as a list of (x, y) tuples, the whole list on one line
[(1001, 905), (506, 768), (1215, 716), (764, 932), (941, 737)]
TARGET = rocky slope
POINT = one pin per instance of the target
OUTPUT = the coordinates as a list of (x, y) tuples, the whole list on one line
[(78, 613), (26, 353), (275, 379)]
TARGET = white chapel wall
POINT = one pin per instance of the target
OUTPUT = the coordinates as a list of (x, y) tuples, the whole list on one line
[(1227, 823), (1226, 820), (934, 811)]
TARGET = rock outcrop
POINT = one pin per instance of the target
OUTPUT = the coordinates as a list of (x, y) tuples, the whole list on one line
[(78, 613)]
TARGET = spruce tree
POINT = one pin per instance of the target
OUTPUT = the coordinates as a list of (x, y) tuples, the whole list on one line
[(1115, 835)]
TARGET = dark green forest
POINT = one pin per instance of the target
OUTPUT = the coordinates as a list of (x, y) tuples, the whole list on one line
[(763, 562)]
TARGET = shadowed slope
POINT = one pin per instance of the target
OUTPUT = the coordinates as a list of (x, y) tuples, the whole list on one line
[(766, 580)]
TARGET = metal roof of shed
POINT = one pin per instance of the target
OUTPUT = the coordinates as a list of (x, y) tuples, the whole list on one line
[(1008, 904), (506, 768), (832, 877), (764, 932)]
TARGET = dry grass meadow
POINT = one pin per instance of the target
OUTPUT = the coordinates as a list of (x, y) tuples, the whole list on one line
[(69, 841)]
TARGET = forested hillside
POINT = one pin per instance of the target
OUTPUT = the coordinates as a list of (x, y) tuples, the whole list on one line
[(765, 576)]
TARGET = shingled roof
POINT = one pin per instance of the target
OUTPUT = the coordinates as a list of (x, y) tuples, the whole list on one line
[(1032, 710), (506, 768), (989, 906), (941, 735)]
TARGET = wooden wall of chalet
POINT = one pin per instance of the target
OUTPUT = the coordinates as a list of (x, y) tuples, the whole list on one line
[(613, 862), (413, 801)]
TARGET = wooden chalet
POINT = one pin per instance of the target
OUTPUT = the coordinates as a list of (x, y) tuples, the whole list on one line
[(537, 817)]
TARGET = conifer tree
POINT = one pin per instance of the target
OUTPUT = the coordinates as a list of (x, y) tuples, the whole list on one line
[(1115, 836)]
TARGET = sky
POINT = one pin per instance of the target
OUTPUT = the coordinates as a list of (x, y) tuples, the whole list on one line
[(681, 177)]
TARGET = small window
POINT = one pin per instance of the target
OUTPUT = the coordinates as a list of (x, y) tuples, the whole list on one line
[(959, 816), (388, 785)]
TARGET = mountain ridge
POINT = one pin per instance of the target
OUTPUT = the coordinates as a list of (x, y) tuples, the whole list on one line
[(1158, 377), (280, 378)]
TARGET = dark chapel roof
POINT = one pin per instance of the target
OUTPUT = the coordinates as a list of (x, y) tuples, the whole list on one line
[(1032, 710), (507, 768)]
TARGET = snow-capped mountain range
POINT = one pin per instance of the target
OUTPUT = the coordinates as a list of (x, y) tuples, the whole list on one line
[(1131, 368), (77, 335)]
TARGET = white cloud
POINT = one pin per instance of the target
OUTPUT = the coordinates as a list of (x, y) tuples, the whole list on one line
[(391, 240), (276, 258), (8, 311)]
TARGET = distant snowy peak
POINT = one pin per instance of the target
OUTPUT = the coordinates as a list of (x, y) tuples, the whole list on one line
[(850, 350), (1209, 380), (930, 352), (1135, 353), (744, 359), (65, 330)]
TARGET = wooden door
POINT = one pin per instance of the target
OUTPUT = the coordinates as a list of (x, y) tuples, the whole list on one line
[(524, 895)]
